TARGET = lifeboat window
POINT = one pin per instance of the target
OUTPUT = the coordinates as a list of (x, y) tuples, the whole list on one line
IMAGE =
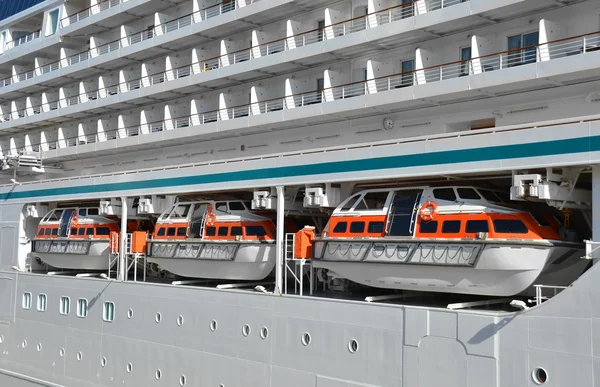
[(340, 227), (102, 231), (375, 227), (235, 231), (222, 206), (81, 231), (161, 231), (510, 226), (357, 227), (181, 231), (89, 231), (171, 231), (211, 231), (490, 196), (348, 205), (248, 205), (477, 226), (41, 232), (444, 194), (48, 231), (428, 227), (181, 211), (540, 220), (83, 212), (451, 226), (468, 193), (73, 231), (236, 206), (92, 211), (255, 231), (223, 231), (372, 201), (54, 231)]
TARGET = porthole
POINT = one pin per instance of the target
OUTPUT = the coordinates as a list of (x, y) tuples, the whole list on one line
[(158, 374), (305, 339), (39, 347), (539, 376), (264, 332), (130, 313), (213, 325), (221, 385), (129, 367), (1, 339), (61, 352), (246, 330), (182, 380), (158, 317), (79, 356), (353, 346), (103, 361), (24, 344), (180, 320)]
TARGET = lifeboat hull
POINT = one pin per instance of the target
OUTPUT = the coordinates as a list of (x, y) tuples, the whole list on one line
[(73, 254), (482, 268), (223, 260)]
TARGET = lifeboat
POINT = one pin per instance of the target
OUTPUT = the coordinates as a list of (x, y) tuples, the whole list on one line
[(74, 238), (447, 239), (214, 240)]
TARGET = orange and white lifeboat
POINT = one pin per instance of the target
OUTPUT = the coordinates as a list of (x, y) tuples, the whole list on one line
[(214, 239), (446, 239), (74, 238)]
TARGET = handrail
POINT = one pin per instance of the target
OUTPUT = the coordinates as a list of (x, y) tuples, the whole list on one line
[(454, 69), (411, 140), (412, 3), (33, 35), (88, 11)]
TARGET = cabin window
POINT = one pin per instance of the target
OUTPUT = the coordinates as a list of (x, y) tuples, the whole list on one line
[(161, 231), (236, 206), (65, 305), (48, 231), (181, 231), (490, 196), (510, 226), (89, 231), (348, 205), (83, 212), (54, 231), (42, 302), (340, 227), (477, 226), (82, 307), (444, 194), (181, 211), (255, 231), (223, 231), (92, 211), (222, 206), (26, 300), (81, 232), (428, 227), (211, 231), (375, 227), (468, 193), (73, 231), (540, 220), (357, 227), (108, 314), (171, 231), (41, 232), (102, 231), (372, 201), (235, 231), (451, 226), (248, 205)]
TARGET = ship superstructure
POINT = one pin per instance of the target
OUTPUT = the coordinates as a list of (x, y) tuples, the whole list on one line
[(422, 174)]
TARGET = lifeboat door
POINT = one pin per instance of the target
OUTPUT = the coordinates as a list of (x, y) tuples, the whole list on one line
[(65, 223), (197, 220), (402, 215)]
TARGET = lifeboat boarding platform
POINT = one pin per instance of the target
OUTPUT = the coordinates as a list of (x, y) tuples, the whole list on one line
[(135, 255), (298, 263)]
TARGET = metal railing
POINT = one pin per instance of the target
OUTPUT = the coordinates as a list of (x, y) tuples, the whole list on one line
[(84, 14), (22, 40), (539, 292)]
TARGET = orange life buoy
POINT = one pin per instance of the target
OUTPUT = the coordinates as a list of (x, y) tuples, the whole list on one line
[(211, 217), (428, 211)]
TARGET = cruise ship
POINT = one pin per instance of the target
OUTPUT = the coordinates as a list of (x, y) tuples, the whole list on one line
[(299, 193)]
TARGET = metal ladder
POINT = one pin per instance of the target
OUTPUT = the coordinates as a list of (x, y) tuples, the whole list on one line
[(296, 266)]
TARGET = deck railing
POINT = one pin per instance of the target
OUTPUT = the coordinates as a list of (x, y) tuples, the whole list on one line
[(22, 40), (84, 14)]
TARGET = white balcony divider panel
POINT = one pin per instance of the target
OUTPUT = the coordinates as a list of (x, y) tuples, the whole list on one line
[(45, 102), (124, 37), (95, 43), (196, 7), (549, 31), (65, 55), (41, 65), (27, 146), (254, 106), (61, 143), (44, 142), (159, 20), (152, 72), (101, 127), (255, 44), (223, 114), (17, 108), (224, 59), (329, 77), (195, 110), (290, 85), (121, 131), (13, 147), (421, 7), (292, 28), (168, 118)]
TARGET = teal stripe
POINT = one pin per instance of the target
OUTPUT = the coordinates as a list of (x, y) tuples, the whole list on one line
[(502, 152)]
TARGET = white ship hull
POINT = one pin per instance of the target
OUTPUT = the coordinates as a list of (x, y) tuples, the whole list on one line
[(494, 269), (231, 261), (75, 254)]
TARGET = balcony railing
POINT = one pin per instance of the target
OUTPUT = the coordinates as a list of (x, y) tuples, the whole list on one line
[(22, 40), (84, 14), (360, 23)]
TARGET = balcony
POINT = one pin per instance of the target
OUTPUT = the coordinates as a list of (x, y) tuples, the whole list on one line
[(472, 79)]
